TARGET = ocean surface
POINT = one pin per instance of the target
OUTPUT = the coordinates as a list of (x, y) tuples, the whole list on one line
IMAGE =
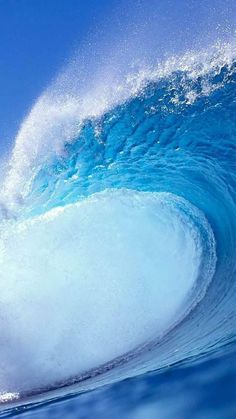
[(118, 248)]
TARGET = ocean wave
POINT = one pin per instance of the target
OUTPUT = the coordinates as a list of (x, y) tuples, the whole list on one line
[(118, 226)]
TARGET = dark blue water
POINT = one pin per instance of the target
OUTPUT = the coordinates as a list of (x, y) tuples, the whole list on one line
[(205, 389), (176, 135)]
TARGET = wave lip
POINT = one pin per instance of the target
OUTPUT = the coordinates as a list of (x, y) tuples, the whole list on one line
[(61, 111)]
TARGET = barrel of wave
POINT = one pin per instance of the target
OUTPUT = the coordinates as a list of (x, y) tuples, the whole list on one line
[(89, 282)]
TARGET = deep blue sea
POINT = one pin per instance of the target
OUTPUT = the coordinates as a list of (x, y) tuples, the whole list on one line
[(118, 247)]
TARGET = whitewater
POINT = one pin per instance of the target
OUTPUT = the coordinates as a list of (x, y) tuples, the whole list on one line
[(117, 234)]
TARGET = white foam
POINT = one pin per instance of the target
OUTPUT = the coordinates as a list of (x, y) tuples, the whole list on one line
[(59, 113), (83, 284)]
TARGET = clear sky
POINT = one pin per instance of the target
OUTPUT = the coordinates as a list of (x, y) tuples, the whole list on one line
[(37, 37)]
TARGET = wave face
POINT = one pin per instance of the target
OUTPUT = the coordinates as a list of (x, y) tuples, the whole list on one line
[(122, 239)]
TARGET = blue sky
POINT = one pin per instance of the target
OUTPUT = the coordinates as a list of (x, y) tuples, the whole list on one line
[(37, 37)]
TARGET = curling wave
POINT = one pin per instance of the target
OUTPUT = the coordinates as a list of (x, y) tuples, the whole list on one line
[(122, 237)]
